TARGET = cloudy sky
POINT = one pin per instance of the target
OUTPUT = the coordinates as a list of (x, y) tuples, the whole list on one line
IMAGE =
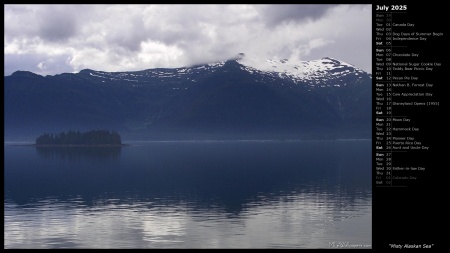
[(52, 39)]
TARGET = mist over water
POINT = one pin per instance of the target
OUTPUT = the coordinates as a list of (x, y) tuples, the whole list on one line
[(189, 194)]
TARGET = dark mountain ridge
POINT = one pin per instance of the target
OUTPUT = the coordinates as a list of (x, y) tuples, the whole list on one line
[(326, 98)]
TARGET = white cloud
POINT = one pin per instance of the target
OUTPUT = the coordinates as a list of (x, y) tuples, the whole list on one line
[(135, 37), (41, 65)]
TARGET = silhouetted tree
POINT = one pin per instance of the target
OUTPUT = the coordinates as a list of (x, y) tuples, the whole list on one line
[(94, 137)]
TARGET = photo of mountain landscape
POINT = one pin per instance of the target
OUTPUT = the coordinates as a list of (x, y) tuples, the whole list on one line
[(176, 126), (324, 98)]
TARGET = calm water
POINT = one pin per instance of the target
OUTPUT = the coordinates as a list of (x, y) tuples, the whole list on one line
[(210, 194)]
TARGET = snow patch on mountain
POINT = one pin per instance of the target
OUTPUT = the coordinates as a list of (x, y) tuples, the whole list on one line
[(312, 71)]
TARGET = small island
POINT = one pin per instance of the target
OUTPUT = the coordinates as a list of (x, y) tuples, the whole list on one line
[(76, 138)]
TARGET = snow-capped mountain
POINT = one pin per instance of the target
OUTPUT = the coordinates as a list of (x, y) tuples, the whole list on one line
[(239, 95), (317, 72)]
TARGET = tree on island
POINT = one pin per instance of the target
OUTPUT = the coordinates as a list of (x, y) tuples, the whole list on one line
[(94, 137)]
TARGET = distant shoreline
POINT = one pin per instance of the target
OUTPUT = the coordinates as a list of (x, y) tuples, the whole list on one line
[(134, 143), (67, 145)]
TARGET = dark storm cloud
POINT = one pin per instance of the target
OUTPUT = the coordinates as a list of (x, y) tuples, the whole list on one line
[(57, 23), (274, 15), (129, 34), (48, 22)]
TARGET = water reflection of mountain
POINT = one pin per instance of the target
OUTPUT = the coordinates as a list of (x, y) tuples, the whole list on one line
[(226, 177), (78, 153)]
